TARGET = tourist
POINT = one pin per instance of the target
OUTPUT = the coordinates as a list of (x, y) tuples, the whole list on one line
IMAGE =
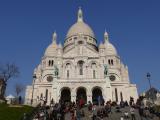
[(132, 113), (122, 104), (126, 115), (94, 111), (89, 106), (78, 113)]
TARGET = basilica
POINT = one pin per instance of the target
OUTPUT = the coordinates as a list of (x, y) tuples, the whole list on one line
[(80, 69)]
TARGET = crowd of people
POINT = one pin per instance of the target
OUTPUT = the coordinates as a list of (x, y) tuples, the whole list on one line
[(96, 111)]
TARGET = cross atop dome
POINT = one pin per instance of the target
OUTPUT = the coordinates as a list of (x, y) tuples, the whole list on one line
[(54, 37), (106, 38), (80, 15)]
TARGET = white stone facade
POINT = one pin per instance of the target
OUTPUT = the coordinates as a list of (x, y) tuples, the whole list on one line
[(80, 68)]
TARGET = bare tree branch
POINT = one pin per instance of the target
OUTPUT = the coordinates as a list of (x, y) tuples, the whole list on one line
[(18, 88), (8, 71)]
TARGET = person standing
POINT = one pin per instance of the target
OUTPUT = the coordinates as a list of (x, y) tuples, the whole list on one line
[(132, 113), (94, 111)]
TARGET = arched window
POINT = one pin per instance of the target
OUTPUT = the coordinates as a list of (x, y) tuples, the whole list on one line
[(80, 65), (67, 73), (111, 62), (68, 65), (49, 63), (52, 63), (94, 74)]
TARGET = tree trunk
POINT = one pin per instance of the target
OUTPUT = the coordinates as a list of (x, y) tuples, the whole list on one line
[(3, 89)]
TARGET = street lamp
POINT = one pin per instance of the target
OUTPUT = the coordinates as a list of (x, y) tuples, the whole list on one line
[(34, 77), (148, 77), (150, 91)]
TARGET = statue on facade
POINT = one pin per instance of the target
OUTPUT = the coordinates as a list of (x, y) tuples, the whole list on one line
[(56, 71), (105, 70)]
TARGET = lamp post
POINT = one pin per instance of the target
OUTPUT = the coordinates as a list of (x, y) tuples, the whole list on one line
[(34, 77), (150, 91), (148, 77)]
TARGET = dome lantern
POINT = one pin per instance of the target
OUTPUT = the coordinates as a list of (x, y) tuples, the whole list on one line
[(106, 38), (80, 15), (54, 37)]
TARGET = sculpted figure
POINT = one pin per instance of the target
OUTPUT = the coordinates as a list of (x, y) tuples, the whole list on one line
[(56, 72), (105, 70)]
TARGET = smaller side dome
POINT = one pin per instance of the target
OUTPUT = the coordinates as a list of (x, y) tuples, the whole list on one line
[(111, 50), (52, 48), (101, 46)]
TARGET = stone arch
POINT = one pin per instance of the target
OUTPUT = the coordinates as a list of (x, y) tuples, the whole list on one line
[(65, 94), (81, 93), (91, 62), (68, 62), (97, 95)]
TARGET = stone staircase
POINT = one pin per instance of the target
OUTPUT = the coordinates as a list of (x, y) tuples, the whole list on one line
[(117, 115)]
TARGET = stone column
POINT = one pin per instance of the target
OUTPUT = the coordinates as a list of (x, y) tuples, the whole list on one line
[(73, 95), (89, 95), (108, 94)]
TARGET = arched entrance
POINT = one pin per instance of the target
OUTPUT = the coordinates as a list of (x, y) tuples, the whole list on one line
[(65, 95), (81, 94), (97, 97)]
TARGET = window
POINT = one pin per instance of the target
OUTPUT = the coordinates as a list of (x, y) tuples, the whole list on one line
[(80, 42), (68, 65), (94, 74), (49, 78), (75, 38), (110, 61), (67, 73), (112, 78), (50, 63), (80, 65)]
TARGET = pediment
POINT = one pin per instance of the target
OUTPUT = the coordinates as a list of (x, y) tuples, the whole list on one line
[(81, 51)]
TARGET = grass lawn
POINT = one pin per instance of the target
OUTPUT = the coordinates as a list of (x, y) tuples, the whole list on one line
[(13, 113)]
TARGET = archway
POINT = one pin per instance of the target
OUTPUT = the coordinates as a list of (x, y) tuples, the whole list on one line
[(97, 97), (81, 94), (65, 95)]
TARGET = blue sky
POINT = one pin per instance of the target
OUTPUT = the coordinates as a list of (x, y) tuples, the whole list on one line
[(26, 29)]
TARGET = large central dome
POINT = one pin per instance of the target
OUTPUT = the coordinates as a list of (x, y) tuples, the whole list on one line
[(80, 27)]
